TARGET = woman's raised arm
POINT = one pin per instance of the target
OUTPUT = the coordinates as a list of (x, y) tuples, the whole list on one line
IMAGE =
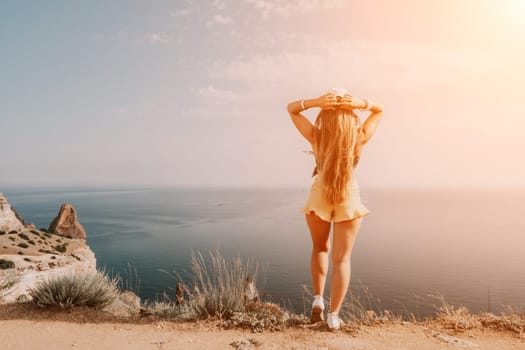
[(372, 121), (305, 127)]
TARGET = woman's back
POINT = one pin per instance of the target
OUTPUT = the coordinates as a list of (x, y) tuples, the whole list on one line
[(355, 154)]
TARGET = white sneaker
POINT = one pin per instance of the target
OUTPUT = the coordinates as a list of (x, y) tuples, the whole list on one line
[(317, 309), (333, 321)]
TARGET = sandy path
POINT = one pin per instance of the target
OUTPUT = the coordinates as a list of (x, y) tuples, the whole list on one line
[(48, 334)]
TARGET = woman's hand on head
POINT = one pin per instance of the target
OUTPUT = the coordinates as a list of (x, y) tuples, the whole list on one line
[(350, 102), (331, 101), (328, 101)]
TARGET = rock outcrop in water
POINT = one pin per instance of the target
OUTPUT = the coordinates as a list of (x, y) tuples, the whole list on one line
[(28, 256), (66, 223)]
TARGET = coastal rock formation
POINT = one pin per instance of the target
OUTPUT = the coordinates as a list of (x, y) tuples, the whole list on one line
[(8, 218), (29, 270), (28, 256), (66, 223)]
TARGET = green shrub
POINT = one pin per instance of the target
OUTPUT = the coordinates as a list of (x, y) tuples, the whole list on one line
[(35, 232), (48, 235), (12, 238), (2, 233), (43, 229), (23, 245), (92, 289), (24, 236), (31, 242), (47, 251), (6, 264), (61, 247), (13, 232)]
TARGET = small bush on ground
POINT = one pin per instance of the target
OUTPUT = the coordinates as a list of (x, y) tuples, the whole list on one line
[(7, 282), (23, 245), (218, 285), (459, 319), (24, 236), (60, 247), (512, 320), (92, 289), (6, 264), (218, 292)]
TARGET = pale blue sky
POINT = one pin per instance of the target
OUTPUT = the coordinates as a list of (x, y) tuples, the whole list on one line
[(194, 93)]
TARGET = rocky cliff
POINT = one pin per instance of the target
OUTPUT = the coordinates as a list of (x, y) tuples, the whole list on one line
[(8, 218), (28, 256)]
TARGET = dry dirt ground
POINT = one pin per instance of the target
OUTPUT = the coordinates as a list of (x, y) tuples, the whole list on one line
[(27, 327)]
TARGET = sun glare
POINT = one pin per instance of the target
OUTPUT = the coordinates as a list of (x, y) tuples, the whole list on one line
[(516, 8)]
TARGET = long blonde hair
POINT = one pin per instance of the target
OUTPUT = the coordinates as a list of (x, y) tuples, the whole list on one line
[(335, 137)]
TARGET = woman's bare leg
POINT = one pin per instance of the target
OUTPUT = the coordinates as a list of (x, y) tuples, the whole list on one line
[(345, 233), (320, 233)]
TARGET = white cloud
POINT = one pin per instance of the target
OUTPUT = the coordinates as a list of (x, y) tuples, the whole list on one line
[(362, 63), (185, 12), (218, 19), (293, 8), (212, 93), (221, 103), (156, 38)]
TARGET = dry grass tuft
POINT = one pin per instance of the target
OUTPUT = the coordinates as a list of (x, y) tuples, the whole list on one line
[(512, 320), (218, 293), (265, 316), (8, 280), (217, 290), (92, 289), (456, 318), (459, 319)]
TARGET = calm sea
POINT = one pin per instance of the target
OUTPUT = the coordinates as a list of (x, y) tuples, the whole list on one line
[(465, 245)]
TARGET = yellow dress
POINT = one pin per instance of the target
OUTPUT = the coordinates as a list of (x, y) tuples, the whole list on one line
[(350, 209)]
